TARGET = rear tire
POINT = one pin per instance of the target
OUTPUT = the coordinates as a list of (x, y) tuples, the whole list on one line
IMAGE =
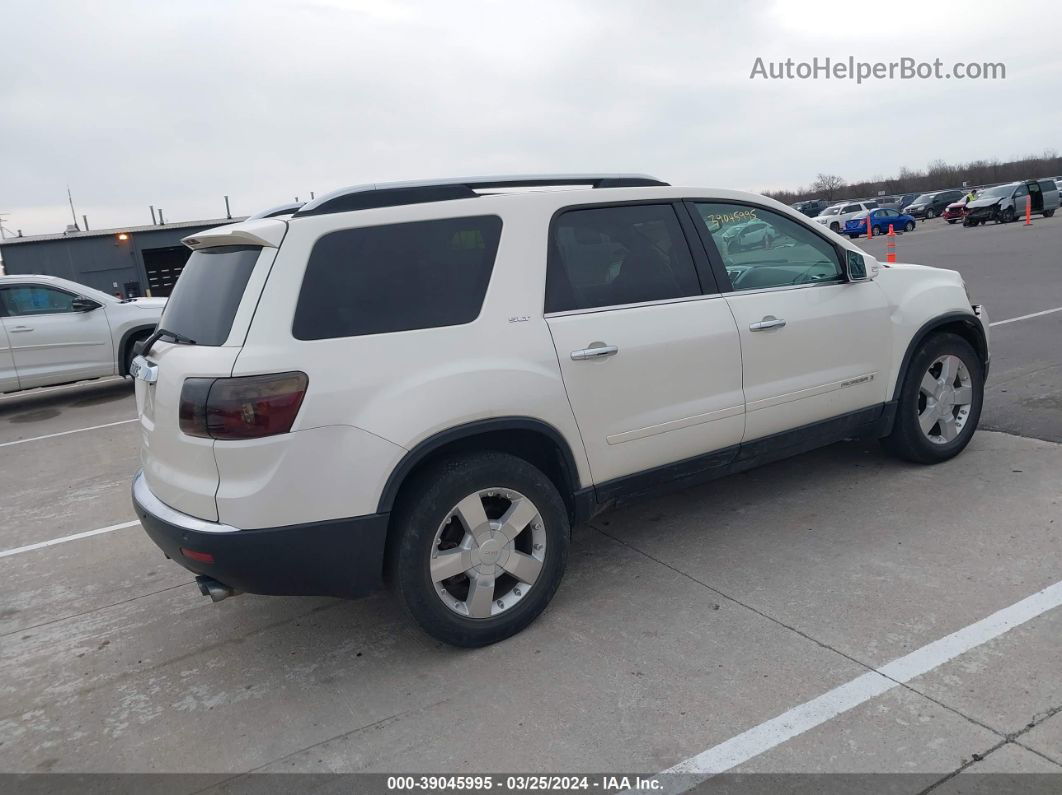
[(1048, 213), (938, 408), (433, 524)]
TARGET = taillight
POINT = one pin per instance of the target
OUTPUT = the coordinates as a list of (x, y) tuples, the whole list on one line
[(247, 407)]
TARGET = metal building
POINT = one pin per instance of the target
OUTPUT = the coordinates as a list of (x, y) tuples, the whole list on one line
[(129, 261)]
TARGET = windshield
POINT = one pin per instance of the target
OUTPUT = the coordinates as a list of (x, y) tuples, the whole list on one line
[(831, 210), (996, 192), (925, 198), (208, 293)]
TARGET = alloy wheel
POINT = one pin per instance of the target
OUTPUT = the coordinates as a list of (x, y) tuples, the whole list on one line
[(488, 553), (945, 397)]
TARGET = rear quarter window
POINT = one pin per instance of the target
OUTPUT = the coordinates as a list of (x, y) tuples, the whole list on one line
[(397, 277)]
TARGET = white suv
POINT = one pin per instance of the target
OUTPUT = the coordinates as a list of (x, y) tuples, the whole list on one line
[(835, 217), (54, 331), (436, 381)]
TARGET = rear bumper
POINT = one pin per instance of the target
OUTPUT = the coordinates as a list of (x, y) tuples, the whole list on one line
[(341, 557)]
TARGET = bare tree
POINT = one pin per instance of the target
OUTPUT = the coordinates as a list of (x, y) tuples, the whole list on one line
[(828, 185), (937, 176)]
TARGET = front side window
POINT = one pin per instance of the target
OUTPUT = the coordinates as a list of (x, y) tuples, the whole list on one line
[(611, 256), (35, 299), (397, 277), (785, 253)]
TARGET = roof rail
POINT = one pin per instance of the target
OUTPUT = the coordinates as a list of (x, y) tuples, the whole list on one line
[(273, 212), (393, 194)]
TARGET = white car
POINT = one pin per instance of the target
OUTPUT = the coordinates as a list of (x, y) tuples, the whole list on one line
[(834, 217), (54, 331), (438, 381)]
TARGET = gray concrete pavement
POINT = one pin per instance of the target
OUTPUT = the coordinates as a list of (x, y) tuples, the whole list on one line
[(682, 622)]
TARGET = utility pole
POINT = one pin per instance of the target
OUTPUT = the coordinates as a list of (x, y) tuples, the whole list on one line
[(73, 213)]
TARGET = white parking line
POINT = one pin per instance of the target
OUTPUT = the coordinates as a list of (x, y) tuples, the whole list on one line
[(1026, 317), (759, 739), (41, 545), (65, 433)]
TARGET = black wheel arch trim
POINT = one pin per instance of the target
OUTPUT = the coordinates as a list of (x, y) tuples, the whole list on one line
[(127, 340), (970, 320), (477, 428)]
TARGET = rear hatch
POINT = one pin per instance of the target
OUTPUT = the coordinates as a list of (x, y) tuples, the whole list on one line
[(202, 331)]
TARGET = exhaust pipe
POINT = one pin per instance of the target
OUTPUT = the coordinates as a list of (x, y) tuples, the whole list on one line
[(217, 591)]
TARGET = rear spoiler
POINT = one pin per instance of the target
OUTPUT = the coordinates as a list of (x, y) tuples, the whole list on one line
[(266, 232)]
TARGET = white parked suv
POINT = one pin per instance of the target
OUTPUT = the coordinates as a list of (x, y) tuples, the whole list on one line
[(54, 331), (835, 217), (433, 382)]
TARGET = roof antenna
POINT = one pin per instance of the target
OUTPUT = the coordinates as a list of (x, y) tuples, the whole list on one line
[(73, 214)]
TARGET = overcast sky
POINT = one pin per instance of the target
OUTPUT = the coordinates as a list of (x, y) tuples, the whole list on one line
[(177, 104)]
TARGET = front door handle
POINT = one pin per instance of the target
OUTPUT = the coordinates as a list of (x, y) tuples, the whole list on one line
[(595, 350), (769, 321), (20, 329)]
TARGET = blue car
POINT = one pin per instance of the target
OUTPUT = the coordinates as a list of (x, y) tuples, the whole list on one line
[(881, 218)]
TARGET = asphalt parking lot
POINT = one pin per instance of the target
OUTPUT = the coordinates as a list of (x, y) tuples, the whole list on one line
[(840, 612)]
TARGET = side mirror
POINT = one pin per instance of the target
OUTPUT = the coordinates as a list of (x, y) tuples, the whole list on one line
[(82, 304), (856, 267)]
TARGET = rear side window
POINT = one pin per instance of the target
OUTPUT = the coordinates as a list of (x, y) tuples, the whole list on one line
[(610, 256), (397, 277), (208, 293)]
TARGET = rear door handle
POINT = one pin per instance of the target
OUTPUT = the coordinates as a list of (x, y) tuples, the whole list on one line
[(20, 329), (595, 350), (769, 321)]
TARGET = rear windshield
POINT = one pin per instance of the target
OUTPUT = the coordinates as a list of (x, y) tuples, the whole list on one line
[(208, 293)]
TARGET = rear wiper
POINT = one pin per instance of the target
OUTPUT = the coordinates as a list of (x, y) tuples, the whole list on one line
[(158, 334)]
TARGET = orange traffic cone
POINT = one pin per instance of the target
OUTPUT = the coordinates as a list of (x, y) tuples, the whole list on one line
[(1028, 211), (890, 246)]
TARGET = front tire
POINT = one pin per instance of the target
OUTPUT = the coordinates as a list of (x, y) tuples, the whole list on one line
[(931, 214), (482, 543), (835, 227), (909, 226), (940, 401)]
